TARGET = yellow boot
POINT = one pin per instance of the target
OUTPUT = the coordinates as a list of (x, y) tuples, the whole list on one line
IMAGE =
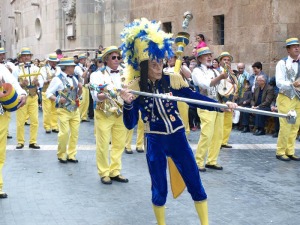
[(159, 212), (201, 208)]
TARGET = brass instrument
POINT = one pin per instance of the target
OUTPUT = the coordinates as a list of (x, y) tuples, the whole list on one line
[(227, 88), (110, 105), (30, 74), (70, 105)]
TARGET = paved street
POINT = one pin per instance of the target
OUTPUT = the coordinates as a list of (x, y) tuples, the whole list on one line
[(253, 189)]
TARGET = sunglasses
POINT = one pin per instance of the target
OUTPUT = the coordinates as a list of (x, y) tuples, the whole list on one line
[(115, 57)]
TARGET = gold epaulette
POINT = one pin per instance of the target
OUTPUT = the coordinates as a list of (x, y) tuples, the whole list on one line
[(176, 80)]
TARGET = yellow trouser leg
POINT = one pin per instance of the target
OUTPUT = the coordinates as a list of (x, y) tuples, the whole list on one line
[(54, 119), (129, 135), (68, 122), (207, 130), (227, 127), (4, 121), (140, 134), (84, 104), (159, 212), (30, 108), (183, 109), (287, 132), (47, 107), (202, 210)]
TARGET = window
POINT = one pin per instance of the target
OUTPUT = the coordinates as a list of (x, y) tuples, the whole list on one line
[(167, 27), (218, 29)]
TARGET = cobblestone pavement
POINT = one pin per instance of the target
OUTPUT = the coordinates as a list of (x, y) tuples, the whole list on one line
[(253, 189)]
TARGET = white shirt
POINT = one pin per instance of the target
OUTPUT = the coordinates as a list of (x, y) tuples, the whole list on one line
[(281, 80), (48, 70), (28, 70), (202, 78), (57, 85), (79, 70), (9, 78)]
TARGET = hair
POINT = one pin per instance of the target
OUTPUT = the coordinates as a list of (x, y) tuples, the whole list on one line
[(216, 59), (63, 68), (247, 82), (201, 36), (258, 65), (58, 52)]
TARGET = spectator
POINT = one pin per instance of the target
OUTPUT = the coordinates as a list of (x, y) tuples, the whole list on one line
[(245, 101), (201, 41), (274, 108), (257, 70), (216, 65), (194, 52), (262, 99), (59, 54)]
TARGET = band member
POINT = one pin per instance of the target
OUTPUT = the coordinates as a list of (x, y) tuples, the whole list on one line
[(6, 77), (82, 73), (225, 60), (287, 80), (165, 131), (207, 79), (49, 71), (30, 80), (9, 65), (65, 91), (182, 106), (108, 120)]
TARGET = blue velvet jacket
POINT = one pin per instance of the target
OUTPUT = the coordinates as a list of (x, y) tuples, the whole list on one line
[(161, 116)]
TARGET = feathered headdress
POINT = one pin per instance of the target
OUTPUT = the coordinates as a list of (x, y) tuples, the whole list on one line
[(142, 40)]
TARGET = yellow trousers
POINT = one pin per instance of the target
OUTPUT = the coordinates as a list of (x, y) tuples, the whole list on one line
[(287, 132), (84, 103), (49, 113), (227, 127), (140, 136), (31, 108), (109, 128), (4, 121), (210, 138), (68, 133), (183, 109)]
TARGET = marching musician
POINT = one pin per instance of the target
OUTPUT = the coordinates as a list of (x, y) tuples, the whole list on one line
[(65, 91), (9, 65), (164, 128), (49, 71), (225, 60), (82, 73), (108, 119), (31, 80), (206, 79), (6, 77), (287, 80)]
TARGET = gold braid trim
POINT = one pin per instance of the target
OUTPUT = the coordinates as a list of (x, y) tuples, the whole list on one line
[(176, 81)]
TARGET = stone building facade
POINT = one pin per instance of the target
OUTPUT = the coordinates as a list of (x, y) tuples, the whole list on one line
[(251, 30)]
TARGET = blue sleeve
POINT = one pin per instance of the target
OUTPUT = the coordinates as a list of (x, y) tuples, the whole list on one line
[(131, 114), (188, 93)]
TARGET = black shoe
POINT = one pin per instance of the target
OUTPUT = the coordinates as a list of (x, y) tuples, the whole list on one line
[(246, 129), (275, 135), (259, 133), (140, 150), (55, 130), (48, 131), (106, 180), (255, 132), (72, 160), (34, 146), (62, 160), (201, 169), (27, 124), (3, 194), (283, 158), (119, 178), (294, 157), (20, 146), (128, 151), (85, 120), (214, 167), (9, 137), (226, 146)]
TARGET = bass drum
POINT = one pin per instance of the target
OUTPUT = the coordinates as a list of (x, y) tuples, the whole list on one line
[(226, 89), (10, 100)]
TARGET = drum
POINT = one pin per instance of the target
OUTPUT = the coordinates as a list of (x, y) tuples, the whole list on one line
[(10, 100)]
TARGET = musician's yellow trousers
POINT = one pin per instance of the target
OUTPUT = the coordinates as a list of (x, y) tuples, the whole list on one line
[(4, 122), (84, 103), (227, 127), (210, 138), (31, 108), (287, 132), (109, 162), (140, 136), (49, 113), (183, 109), (68, 133)]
